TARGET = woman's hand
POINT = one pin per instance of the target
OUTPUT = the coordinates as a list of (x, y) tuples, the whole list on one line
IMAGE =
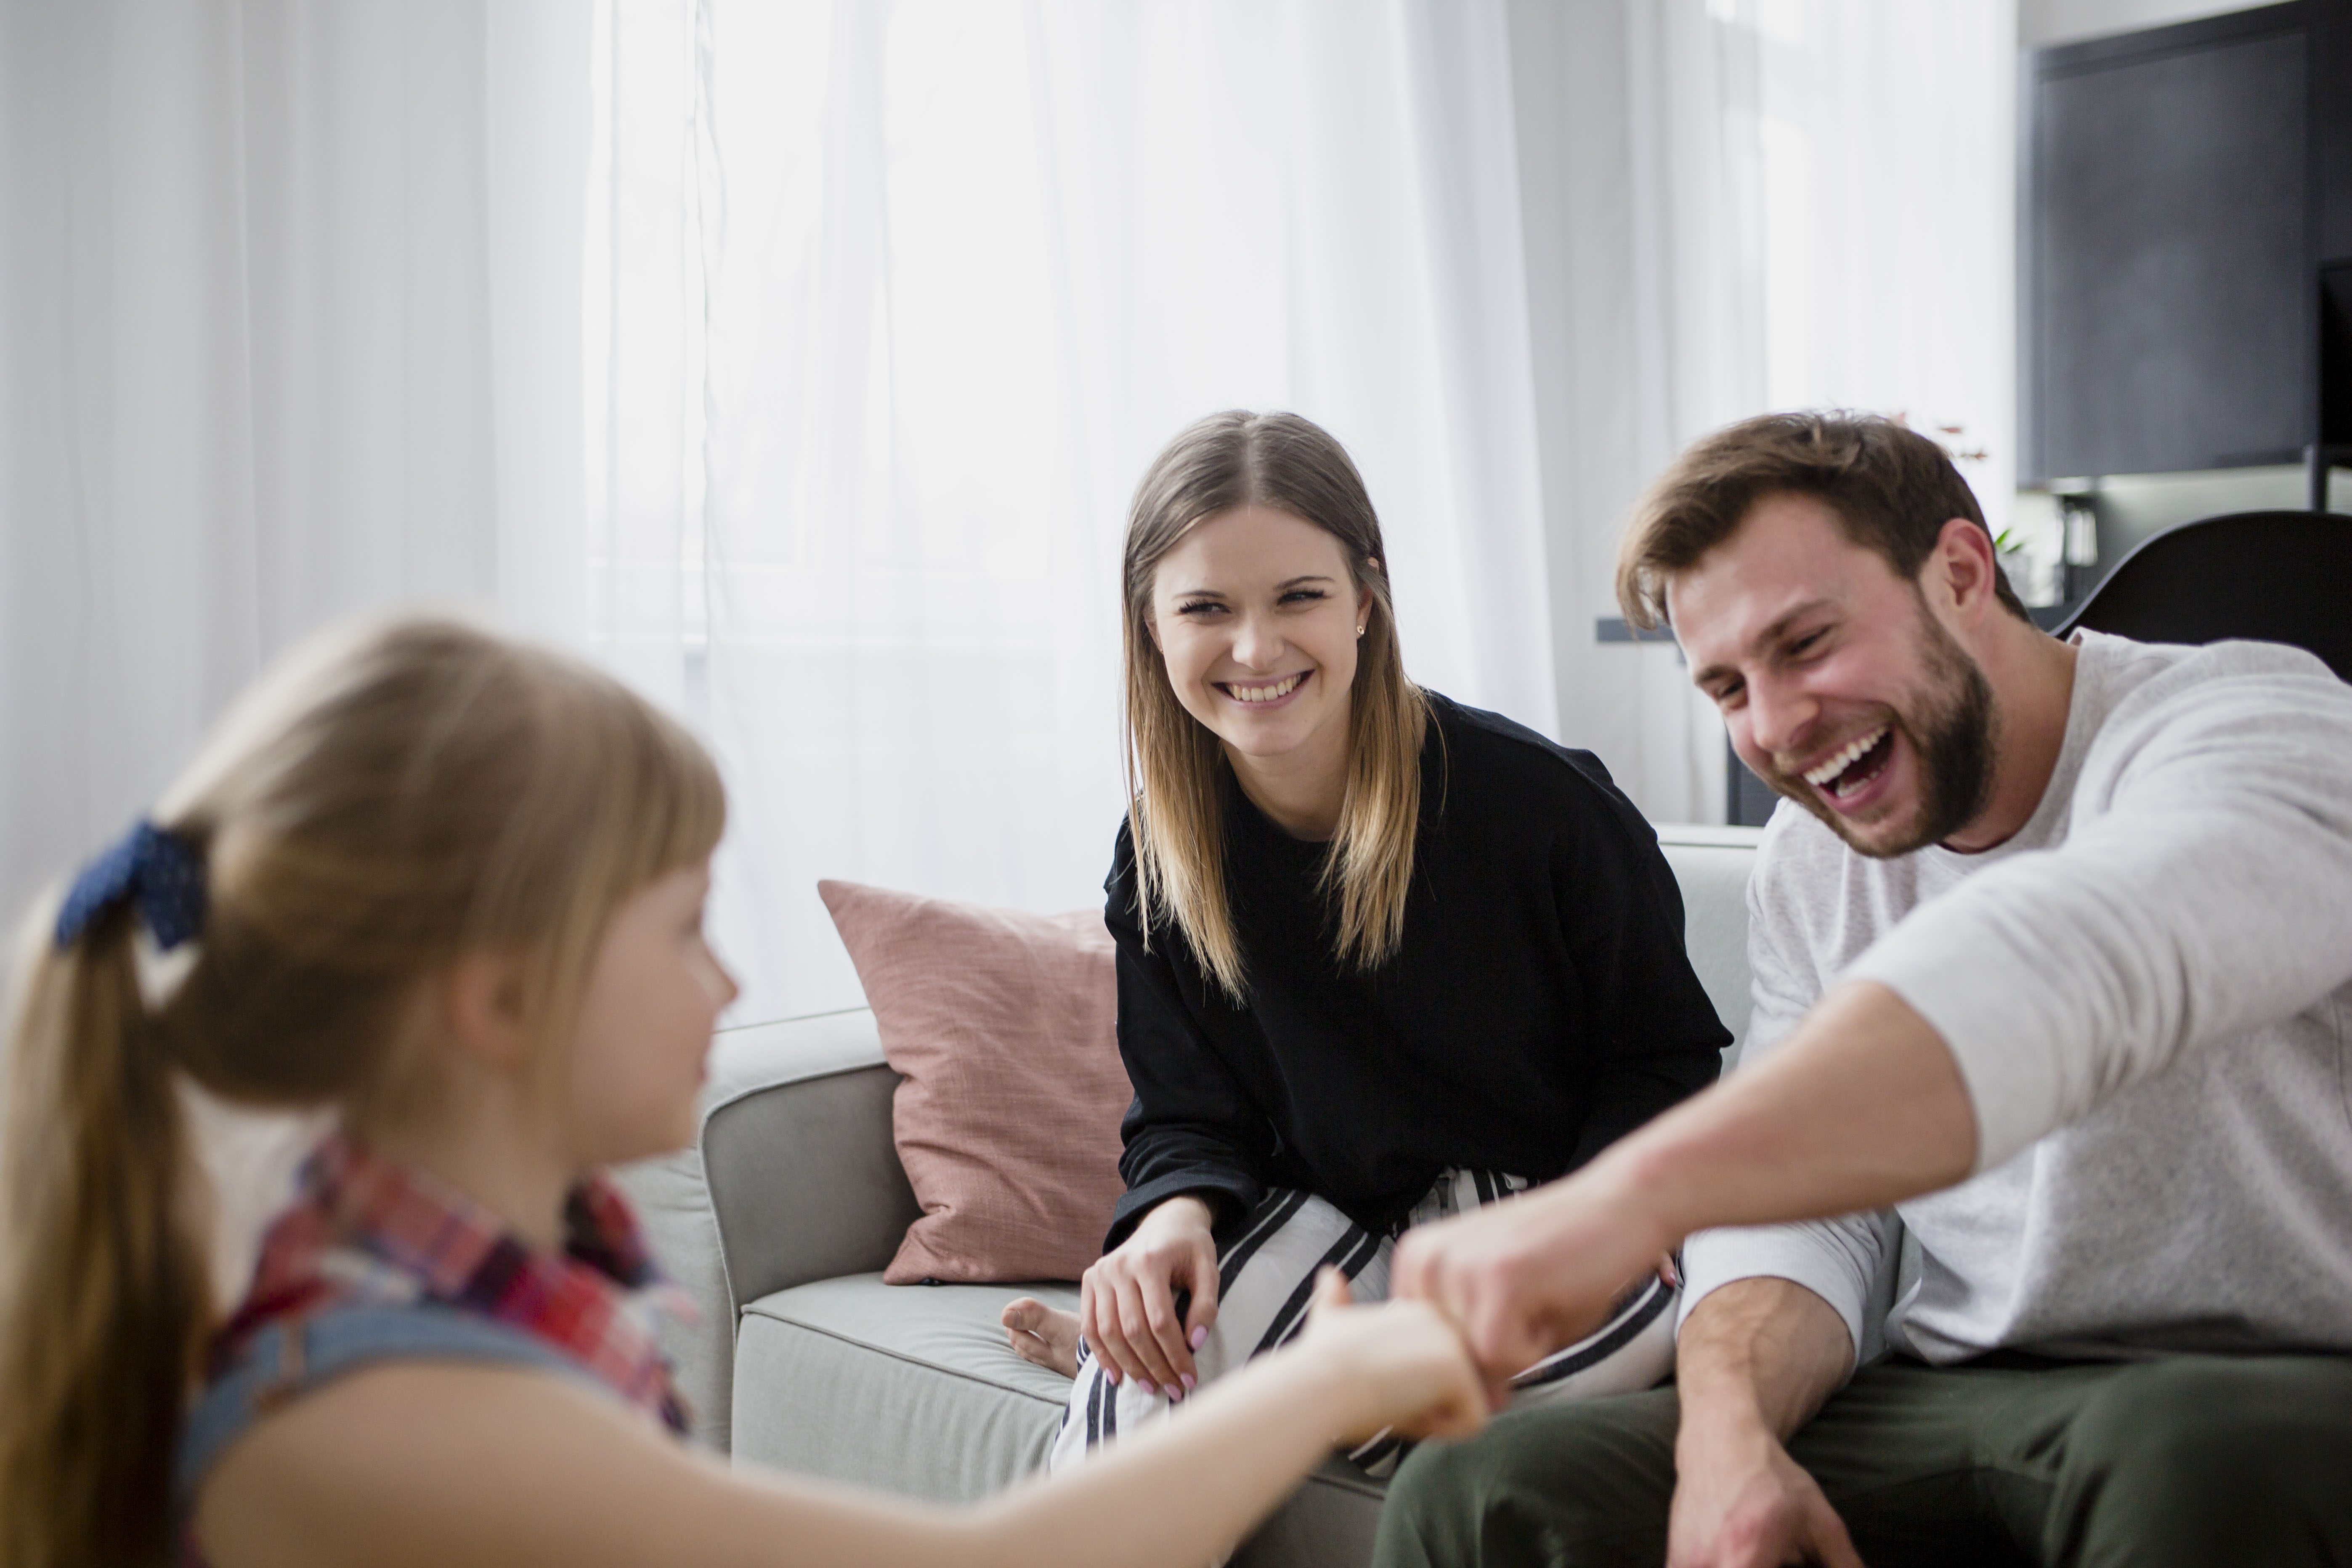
[(1402, 1367), (1127, 1303)]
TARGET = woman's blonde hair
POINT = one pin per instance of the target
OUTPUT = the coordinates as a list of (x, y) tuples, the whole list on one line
[(1175, 767), (400, 798)]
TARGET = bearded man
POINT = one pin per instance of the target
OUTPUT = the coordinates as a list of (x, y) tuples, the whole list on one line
[(2043, 1125)]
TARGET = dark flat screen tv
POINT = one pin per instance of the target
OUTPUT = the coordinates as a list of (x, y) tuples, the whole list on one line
[(2170, 247)]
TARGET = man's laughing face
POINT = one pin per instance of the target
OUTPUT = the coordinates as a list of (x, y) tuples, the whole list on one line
[(1837, 683)]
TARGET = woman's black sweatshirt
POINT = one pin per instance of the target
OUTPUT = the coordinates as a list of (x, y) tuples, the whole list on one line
[(1540, 1006)]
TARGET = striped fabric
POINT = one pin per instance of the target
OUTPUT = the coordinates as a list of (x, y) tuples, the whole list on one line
[(1265, 1277), (366, 1231)]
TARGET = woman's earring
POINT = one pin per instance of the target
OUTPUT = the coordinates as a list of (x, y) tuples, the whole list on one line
[(1360, 631)]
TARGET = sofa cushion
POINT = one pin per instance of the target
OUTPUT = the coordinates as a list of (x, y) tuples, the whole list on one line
[(1004, 1025), (912, 1389)]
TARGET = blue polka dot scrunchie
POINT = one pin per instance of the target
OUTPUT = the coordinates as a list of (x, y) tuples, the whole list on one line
[(161, 871)]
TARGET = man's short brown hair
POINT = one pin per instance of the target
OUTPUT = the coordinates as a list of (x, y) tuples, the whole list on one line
[(1891, 488)]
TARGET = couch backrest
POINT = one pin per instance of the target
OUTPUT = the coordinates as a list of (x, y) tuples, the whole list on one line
[(804, 1181), (1711, 865)]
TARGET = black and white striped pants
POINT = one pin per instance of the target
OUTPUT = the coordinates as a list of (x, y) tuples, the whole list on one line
[(1267, 1265)]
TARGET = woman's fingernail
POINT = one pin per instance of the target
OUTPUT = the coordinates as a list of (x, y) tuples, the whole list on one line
[(1190, 1383), (1146, 1386), (1199, 1336)]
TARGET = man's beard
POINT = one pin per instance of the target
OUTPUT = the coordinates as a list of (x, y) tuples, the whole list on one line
[(1951, 731)]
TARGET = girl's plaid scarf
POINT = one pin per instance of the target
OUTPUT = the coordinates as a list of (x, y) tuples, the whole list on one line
[(366, 1231)]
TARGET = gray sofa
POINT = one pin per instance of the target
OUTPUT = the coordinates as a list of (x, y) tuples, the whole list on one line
[(780, 1221)]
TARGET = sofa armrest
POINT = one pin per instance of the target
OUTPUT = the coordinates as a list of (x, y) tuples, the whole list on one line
[(804, 1180)]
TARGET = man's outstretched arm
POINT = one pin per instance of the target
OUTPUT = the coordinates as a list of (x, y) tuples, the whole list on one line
[(1860, 1105), (1754, 1362)]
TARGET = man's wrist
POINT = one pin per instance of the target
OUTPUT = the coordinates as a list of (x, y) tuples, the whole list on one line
[(1719, 1400), (1622, 1181), (1723, 1423)]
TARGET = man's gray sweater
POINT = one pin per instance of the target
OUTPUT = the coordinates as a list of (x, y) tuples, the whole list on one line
[(2149, 993)]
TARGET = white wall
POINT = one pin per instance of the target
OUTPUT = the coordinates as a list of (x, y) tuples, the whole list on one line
[(2041, 23)]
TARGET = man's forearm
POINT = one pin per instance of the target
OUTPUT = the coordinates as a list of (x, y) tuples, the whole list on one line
[(1759, 1353), (1861, 1107), (1753, 1365)]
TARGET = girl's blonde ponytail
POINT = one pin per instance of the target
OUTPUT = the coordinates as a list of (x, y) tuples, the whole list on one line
[(102, 1292), (400, 798)]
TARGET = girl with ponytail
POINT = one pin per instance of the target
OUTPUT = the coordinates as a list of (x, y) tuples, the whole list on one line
[(450, 888)]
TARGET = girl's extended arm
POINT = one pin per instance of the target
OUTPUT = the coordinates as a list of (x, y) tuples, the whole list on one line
[(463, 1465)]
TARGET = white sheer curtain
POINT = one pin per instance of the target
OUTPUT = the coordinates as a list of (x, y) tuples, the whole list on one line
[(1886, 163), (876, 310), (289, 306), (892, 302), (286, 295), (1736, 205)]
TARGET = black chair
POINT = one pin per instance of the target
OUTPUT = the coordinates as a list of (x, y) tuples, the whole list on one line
[(2274, 576)]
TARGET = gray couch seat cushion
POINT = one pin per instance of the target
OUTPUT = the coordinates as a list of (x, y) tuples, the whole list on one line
[(948, 1328), (907, 1388), (912, 1388)]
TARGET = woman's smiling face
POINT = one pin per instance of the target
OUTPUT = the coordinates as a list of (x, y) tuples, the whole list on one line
[(1255, 615)]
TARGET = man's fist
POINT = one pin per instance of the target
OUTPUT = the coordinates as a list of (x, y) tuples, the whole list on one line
[(1526, 1276)]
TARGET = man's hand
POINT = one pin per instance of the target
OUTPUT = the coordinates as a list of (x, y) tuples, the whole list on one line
[(1860, 1107), (1127, 1301), (1526, 1276), (1755, 1361), (1741, 1502)]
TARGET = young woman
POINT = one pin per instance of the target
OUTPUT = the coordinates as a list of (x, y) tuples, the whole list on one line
[(1380, 957), (453, 889)]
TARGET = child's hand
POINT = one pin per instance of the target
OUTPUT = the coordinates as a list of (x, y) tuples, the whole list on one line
[(1403, 1365)]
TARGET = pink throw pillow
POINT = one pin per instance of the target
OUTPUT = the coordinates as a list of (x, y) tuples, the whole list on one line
[(1005, 1028)]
